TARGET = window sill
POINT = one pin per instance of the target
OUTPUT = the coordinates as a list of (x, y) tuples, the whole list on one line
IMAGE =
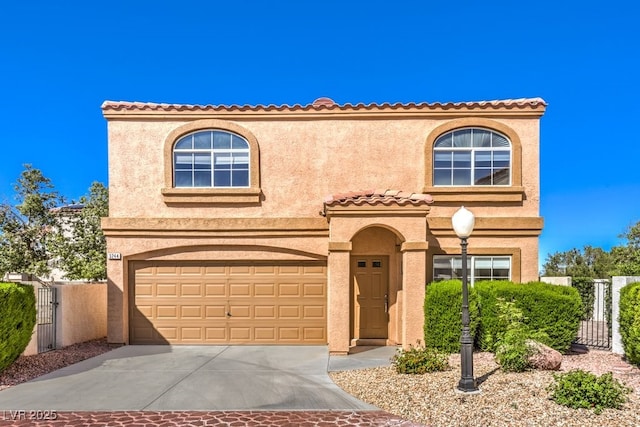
[(182, 196), (476, 194)]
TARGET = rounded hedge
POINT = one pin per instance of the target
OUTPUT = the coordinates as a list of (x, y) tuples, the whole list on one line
[(17, 320), (443, 315), (630, 321), (553, 309)]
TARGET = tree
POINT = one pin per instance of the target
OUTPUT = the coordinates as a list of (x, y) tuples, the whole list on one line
[(27, 229), (80, 246), (626, 259), (590, 262)]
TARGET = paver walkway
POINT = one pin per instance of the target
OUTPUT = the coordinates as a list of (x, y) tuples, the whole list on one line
[(210, 418)]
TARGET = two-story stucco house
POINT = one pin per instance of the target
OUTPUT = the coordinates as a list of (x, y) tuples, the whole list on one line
[(314, 224)]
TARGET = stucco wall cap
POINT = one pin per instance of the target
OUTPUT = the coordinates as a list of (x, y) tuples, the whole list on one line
[(377, 197)]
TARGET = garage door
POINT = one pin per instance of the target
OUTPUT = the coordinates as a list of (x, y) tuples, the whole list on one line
[(213, 303)]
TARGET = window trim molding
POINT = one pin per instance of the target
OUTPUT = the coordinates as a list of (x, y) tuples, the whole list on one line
[(211, 195), (470, 193), (514, 253)]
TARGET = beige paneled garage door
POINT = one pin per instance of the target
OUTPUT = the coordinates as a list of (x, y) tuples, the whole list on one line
[(248, 303)]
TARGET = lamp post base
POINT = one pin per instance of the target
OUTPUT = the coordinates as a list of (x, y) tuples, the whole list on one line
[(467, 393), (468, 386)]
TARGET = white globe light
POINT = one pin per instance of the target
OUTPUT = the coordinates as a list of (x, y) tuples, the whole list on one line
[(463, 222)]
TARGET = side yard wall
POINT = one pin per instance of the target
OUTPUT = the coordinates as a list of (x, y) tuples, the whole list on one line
[(81, 314)]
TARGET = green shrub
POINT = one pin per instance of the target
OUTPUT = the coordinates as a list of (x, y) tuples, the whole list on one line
[(17, 319), (419, 360), (580, 389), (586, 289), (443, 320), (554, 310), (512, 351), (630, 321)]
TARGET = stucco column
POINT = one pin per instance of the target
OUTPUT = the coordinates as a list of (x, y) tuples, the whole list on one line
[(413, 285), (338, 297), (116, 305)]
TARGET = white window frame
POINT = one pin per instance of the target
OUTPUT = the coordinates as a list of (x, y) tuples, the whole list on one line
[(212, 153), (472, 150), (471, 267)]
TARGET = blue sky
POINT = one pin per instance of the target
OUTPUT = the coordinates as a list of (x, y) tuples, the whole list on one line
[(61, 60)]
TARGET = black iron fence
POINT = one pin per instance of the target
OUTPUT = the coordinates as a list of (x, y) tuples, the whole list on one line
[(46, 320), (595, 325)]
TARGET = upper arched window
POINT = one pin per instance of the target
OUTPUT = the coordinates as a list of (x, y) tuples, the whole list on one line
[(471, 156), (211, 158)]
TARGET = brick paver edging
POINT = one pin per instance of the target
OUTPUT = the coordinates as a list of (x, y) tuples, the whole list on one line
[(203, 418)]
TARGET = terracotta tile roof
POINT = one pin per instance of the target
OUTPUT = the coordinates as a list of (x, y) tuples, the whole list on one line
[(328, 104), (378, 197)]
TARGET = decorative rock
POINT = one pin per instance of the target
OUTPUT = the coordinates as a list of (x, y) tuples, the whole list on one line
[(544, 357)]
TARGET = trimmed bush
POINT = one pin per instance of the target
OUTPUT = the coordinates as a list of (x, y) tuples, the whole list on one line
[(630, 321), (551, 309), (581, 389), (17, 319), (419, 360), (443, 319)]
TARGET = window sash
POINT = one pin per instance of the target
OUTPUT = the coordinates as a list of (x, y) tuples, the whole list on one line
[(479, 267), (213, 159), (472, 157)]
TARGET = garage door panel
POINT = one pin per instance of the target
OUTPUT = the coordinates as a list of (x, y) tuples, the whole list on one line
[(289, 312), (191, 289), (169, 333), (191, 312), (288, 289), (216, 311), (313, 289), (167, 289), (264, 312), (314, 312), (166, 312), (240, 289), (209, 303), (264, 289), (241, 270), (215, 289)]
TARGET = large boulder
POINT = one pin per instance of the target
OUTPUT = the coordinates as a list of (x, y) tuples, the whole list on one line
[(544, 357)]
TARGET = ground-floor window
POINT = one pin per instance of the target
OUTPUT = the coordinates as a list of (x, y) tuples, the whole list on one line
[(479, 268)]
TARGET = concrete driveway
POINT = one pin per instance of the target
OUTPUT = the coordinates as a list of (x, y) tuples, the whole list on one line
[(167, 378)]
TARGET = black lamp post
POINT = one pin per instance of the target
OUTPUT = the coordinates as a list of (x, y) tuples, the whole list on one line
[(463, 221)]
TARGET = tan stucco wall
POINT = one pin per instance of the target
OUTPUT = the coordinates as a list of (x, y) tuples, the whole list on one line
[(81, 313), (331, 156)]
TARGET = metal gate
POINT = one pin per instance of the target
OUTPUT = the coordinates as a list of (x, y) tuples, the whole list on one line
[(46, 321), (595, 325)]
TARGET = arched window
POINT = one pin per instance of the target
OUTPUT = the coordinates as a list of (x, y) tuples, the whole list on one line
[(211, 158), (472, 156)]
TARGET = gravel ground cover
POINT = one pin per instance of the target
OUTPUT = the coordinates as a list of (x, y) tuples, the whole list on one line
[(506, 399)]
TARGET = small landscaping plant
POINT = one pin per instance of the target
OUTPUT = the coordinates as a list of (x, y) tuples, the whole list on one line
[(512, 350), (419, 360), (581, 389)]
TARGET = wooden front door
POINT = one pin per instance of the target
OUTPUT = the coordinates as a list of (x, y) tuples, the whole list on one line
[(370, 296)]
